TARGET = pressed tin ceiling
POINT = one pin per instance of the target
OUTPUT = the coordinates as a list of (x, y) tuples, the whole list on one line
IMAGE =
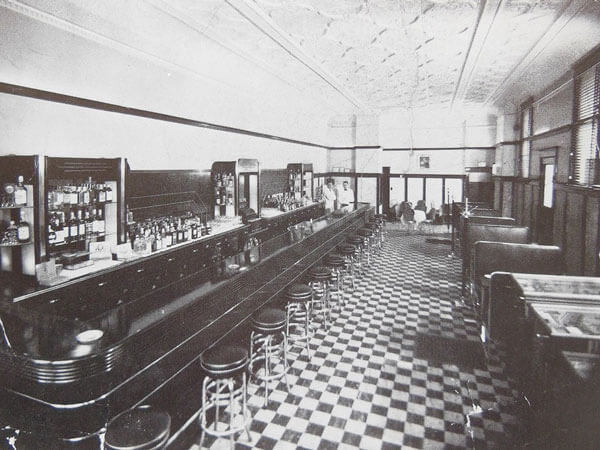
[(381, 54), (359, 55)]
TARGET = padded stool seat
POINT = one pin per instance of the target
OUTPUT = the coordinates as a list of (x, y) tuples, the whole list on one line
[(319, 273), (268, 320), (347, 249), (334, 260), (268, 347), (224, 361), (365, 232), (142, 428), (299, 292), (354, 240)]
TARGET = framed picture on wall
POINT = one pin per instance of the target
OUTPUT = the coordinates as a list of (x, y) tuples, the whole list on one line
[(424, 162)]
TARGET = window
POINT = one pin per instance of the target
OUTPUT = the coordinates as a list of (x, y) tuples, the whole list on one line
[(585, 167), (526, 132)]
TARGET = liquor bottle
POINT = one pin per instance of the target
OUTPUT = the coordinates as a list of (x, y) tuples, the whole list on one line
[(81, 224), (85, 194), (56, 222), (51, 235), (10, 234), (20, 192), (109, 193), (23, 230), (101, 194), (169, 236), (73, 228), (100, 219), (74, 195), (89, 223), (66, 195)]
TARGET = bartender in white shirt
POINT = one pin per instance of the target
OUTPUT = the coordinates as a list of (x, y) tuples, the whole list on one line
[(345, 196), (329, 196)]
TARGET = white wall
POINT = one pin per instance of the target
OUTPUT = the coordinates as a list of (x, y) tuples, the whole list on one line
[(441, 128), (31, 126)]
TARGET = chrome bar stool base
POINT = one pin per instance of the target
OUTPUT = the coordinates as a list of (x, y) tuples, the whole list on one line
[(268, 348), (224, 389)]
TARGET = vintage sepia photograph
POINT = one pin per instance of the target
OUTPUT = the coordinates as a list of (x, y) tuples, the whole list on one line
[(299, 224)]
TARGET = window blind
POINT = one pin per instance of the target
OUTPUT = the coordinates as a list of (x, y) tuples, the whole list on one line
[(585, 158), (526, 131)]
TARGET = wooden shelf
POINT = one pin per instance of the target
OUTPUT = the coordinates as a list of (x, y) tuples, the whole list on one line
[(17, 245), (16, 207)]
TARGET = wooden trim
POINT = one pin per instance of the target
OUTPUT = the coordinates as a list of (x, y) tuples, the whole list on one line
[(38, 94), (591, 58), (428, 149), (552, 132), (583, 229)]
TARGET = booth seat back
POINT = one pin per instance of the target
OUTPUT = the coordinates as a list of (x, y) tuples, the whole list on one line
[(488, 257), (487, 232), (466, 222), (493, 233)]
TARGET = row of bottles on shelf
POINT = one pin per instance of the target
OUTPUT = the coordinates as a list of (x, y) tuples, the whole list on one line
[(88, 193), (16, 232), (14, 195), (158, 233), (81, 225), (286, 201), (224, 184)]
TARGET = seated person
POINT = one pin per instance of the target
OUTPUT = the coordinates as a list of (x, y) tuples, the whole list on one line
[(408, 215), (421, 206), (432, 214)]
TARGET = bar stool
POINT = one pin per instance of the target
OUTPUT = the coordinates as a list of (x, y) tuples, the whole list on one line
[(319, 277), (358, 242), (223, 388), (268, 344), (141, 428), (368, 243), (298, 302), (376, 227), (348, 251), (336, 283)]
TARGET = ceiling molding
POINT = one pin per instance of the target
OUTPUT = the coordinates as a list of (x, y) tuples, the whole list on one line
[(483, 26), (569, 12), (77, 30), (265, 24)]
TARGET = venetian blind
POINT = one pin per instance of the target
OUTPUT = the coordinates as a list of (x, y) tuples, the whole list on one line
[(526, 125), (585, 157)]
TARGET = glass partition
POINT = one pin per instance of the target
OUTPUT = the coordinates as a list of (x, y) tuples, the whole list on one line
[(397, 191), (454, 190), (414, 191), (367, 190), (434, 193)]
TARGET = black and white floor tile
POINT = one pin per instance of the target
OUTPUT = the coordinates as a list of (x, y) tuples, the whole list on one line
[(401, 366)]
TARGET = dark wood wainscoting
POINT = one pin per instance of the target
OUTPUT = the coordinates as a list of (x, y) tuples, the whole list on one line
[(576, 224)]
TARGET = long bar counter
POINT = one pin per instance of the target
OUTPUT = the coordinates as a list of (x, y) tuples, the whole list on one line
[(151, 320)]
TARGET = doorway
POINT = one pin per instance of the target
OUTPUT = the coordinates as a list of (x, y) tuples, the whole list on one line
[(545, 221)]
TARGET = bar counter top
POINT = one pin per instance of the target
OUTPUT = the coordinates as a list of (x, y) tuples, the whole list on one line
[(81, 364)]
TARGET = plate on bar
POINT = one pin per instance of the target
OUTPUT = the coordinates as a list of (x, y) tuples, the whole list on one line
[(88, 336)]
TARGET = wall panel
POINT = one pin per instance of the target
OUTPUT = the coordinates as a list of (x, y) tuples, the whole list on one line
[(592, 224), (560, 206), (507, 198), (574, 236)]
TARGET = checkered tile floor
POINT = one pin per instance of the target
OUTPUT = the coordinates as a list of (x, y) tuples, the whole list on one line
[(401, 366)]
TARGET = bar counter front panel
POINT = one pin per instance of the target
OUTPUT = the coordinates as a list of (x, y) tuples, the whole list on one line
[(156, 316)]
